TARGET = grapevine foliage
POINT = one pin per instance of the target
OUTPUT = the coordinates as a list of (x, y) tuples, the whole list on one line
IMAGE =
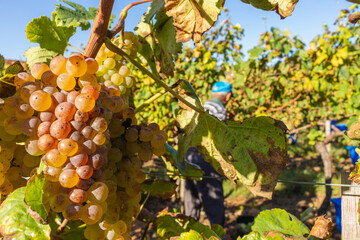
[(91, 146)]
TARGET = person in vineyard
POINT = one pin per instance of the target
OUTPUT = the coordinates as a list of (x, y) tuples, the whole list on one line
[(208, 193)]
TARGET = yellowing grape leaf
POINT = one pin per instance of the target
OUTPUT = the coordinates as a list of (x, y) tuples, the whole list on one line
[(17, 223), (254, 151), (50, 36), (38, 54), (192, 18), (283, 7)]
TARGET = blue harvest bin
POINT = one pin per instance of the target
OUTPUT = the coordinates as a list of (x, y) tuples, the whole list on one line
[(353, 154), (337, 203), (293, 138), (341, 127)]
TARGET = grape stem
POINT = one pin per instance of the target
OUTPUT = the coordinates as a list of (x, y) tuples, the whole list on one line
[(119, 27), (143, 204), (150, 100), (117, 50), (63, 225)]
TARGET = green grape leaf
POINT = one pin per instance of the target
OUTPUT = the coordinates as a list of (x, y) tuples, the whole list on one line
[(2, 62), (191, 235), (50, 36), (14, 68), (168, 227), (155, 7), (192, 18), (200, 228), (17, 223), (218, 229), (279, 221), (255, 52), (78, 16), (254, 151), (171, 154), (38, 54), (163, 189), (159, 39), (252, 236), (34, 197), (282, 7)]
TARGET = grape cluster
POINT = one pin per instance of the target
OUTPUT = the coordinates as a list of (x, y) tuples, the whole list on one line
[(87, 139), (113, 70)]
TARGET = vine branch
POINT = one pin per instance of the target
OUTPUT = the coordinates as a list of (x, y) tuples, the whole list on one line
[(286, 104), (150, 100), (121, 23), (100, 28), (117, 50)]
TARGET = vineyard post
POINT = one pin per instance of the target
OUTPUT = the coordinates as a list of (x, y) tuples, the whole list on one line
[(350, 229), (327, 133)]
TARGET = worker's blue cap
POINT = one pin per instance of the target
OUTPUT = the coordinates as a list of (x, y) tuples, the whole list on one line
[(221, 87)]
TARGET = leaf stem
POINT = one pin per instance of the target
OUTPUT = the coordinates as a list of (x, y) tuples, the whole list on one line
[(117, 50), (119, 27), (9, 83), (150, 100), (143, 204), (75, 48), (74, 229)]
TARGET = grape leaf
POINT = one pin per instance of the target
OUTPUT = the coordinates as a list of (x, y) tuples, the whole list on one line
[(171, 154), (38, 54), (191, 235), (192, 18), (168, 226), (252, 236), (280, 221), (7, 90), (163, 189), (2, 62), (155, 7), (34, 196), (282, 7), (78, 16), (14, 68), (200, 228), (50, 36), (254, 151), (322, 228), (17, 223), (159, 43)]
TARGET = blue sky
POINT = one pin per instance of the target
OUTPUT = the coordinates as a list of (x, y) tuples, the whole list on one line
[(306, 21)]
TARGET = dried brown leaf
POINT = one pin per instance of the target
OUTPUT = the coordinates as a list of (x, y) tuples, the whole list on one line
[(322, 228), (192, 18)]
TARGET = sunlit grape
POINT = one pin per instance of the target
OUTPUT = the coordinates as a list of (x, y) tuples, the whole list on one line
[(40, 100), (58, 65)]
